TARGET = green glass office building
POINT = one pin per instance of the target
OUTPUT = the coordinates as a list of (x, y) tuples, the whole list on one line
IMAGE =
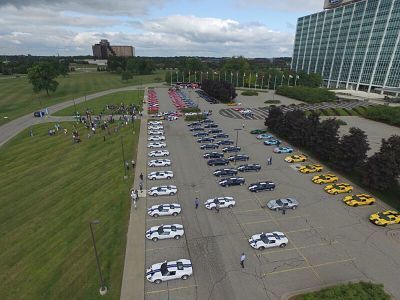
[(353, 45)]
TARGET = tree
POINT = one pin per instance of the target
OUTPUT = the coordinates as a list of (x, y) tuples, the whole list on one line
[(312, 80), (382, 169), (352, 150), (296, 127), (42, 76), (327, 139), (126, 75), (275, 120), (221, 90)]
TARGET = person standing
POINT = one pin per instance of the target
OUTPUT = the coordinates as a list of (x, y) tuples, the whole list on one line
[(141, 176), (217, 208), (196, 203), (133, 164), (242, 259), (270, 161)]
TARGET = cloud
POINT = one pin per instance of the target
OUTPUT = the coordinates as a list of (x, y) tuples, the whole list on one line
[(307, 6), (106, 7)]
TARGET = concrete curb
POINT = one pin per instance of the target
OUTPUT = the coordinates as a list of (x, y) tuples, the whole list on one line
[(133, 276)]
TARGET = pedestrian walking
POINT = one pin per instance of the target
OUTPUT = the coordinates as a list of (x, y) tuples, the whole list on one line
[(127, 166), (242, 259), (196, 203), (217, 208), (137, 193), (141, 176), (133, 164), (30, 132), (243, 125), (270, 161), (141, 186)]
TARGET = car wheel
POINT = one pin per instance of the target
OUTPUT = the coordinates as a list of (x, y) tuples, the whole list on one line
[(335, 193), (175, 214), (155, 239), (277, 209), (294, 207), (230, 206), (184, 277), (355, 205), (155, 195), (349, 191), (282, 245), (171, 194), (261, 248), (153, 178), (158, 281), (169, 177), (177, 237), (155, 215), (371, 203)]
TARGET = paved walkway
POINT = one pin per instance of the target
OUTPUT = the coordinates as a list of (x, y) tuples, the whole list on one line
[(9, 130), (133, 277)]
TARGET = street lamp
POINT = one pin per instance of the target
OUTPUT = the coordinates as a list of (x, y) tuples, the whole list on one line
[(103, 287), (237, 135), (123, 157)]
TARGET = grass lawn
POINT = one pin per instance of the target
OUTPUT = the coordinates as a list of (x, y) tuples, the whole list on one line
[(51, 189), (97, 105), (18, 99)]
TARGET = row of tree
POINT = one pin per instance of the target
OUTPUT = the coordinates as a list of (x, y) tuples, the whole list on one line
[(221, 90), (131, 65), (347, 154)]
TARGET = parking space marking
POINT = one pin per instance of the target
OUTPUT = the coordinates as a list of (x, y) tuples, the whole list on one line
[(165, 248), (298, 248), (257, 222), (162, 219), (304, 229), (272, 220), (245, 211), (308, 267), (173, 289)]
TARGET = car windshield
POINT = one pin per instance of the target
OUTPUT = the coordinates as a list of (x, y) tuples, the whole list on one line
[(160, 207), (383, 216), (216, 201), (179, 265), (279, 202), (160, 230)]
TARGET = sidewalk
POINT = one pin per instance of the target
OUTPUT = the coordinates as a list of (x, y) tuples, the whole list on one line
[(133, 277)]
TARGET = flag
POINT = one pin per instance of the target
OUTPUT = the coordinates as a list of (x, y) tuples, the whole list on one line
[(283, 76), (297, 77), (270, 76), (290, 76)]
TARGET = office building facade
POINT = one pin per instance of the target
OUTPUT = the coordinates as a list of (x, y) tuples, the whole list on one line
[(103, 50), (353, 44)]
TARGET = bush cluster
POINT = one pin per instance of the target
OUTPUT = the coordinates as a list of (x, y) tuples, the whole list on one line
[(307, 94), (221, 90), (385, 114), (250, 93)]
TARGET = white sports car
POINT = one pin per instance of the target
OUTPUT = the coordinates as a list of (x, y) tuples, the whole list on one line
[(268, 240), (163, 190), (154, 123), (174, 231), (159, 163), (158, 153), (155, 127), (164, 210), (223, 202), (155, 132), (169, 270), (157, 145), (156, 138), (160, 175)]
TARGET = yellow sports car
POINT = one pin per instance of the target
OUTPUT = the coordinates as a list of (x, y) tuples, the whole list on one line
[(310, 168), (359, 199), (338, 188), (385, 218), (296, 158), (327, 178)]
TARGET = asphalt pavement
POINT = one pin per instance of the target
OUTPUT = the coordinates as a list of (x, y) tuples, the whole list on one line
[(329, 242)]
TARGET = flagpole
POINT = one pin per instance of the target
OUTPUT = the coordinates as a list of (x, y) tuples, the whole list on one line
[(225, 75), (249, 80), (231, 77), (255, 85), (189, 76), (237, 79), (288, 80), (275, 84), (283, 76), (195, 76), (171, 77), (262, 82), (244, 75)]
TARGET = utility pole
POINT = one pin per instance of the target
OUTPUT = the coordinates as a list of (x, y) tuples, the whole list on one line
[(103, 287)]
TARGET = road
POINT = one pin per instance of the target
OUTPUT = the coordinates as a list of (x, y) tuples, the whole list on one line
[(10, 129), (329, 243)]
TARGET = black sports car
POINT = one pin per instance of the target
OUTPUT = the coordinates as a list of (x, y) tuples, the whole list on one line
[(262, 186), (231, 149), (249, 168), (225, 172), (231, 181), (220, 136), (209, 146), (218, 162), (239, 157), (213, 155), (205, 140)]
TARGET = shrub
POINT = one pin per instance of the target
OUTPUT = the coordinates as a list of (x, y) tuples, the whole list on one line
[(306, 94), (272, 102), (250, 93), (195, 118), (189, 110), (382, 113)]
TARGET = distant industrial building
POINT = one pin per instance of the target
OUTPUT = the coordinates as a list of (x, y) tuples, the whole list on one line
[(353, 44), (103, 50)]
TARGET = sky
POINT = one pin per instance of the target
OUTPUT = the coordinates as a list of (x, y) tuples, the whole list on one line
[(218, 28)]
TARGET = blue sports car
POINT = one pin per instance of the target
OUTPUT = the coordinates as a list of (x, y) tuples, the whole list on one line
[(264, 136), (271, 142), (283, 150)]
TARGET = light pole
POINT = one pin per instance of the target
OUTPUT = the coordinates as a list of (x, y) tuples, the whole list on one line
[(237, 135), (76, 112), (103, 287), (171, 77), (123, 157)]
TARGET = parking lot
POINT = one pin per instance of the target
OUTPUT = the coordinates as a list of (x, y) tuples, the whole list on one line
[(329, 242)]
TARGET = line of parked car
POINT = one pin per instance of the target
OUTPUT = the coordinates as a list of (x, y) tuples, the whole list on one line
[(332, 187), (180, 99), (206, 97), (166, 270), (152, 102)]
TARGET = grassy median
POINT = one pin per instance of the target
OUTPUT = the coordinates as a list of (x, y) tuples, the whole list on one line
[(51, 188)]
